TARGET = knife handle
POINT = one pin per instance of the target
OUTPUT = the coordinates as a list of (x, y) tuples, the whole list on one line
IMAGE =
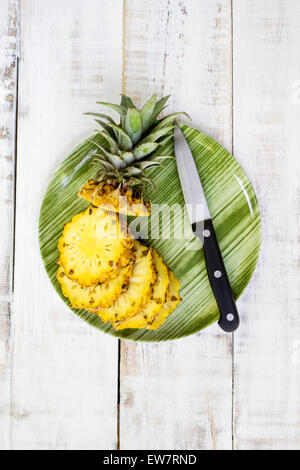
[(229, 317)]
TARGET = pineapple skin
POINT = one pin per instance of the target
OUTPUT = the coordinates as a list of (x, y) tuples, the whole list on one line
[(86, 256), (108, 196)]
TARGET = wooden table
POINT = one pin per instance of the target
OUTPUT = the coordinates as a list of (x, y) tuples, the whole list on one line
[(235, 67)]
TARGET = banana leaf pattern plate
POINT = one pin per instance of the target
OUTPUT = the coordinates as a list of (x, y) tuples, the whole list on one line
[(233, 206)]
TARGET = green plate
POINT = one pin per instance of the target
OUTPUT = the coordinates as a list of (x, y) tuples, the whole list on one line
[(233, 206)]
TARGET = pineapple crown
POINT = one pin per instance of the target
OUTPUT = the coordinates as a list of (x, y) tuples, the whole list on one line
[(132, 146)]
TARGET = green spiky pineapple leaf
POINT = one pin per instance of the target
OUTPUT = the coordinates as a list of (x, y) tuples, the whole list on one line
[(169, 119), (144, 149), (111, 142), (115, 107), (154, 136), (125, 141), (147, 111), (101, 116), (126, 102), (133, 124), (128, 157), (158, 108), (129, 143), (115, 160), (106, 127), (144, 165)]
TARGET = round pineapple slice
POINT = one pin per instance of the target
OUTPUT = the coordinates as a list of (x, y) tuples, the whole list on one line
[(94, 245), (157, 300), (111, 196), (100, 295), (139, 289), (173, 299)]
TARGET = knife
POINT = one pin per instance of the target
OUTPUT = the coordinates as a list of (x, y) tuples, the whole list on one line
[(202, 227)]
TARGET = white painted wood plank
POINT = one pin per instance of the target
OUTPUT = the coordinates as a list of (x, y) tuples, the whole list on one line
[(266, 59), (64, 386), (178, 395), (8, 46)]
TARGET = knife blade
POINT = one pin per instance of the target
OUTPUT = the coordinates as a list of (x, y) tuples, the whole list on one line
[(202, 226)]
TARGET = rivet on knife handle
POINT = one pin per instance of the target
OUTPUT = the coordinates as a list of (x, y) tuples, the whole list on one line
[(229, 317)]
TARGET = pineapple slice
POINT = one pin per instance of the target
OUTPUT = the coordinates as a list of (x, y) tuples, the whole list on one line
[(94, 245), (171, 303), (158, 298), (139, 290), (100, 295), (114, 197)]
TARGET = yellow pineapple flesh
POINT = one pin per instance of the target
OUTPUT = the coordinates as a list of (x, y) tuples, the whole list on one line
[(94, 246), (139, 289), (114, 197), (157, 300), (173, 299), (98, 295)]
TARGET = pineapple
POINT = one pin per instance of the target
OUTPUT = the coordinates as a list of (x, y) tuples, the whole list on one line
[(139, 290), (155, 304), (94, 246), (98, 295), (128, 150), (173, 299), (109, 195), (101, 268)]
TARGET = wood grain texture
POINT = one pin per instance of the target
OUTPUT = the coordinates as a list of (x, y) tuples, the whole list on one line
[(266, 62), (8, 54), (178, 395), (64, 373), (64, 385)]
